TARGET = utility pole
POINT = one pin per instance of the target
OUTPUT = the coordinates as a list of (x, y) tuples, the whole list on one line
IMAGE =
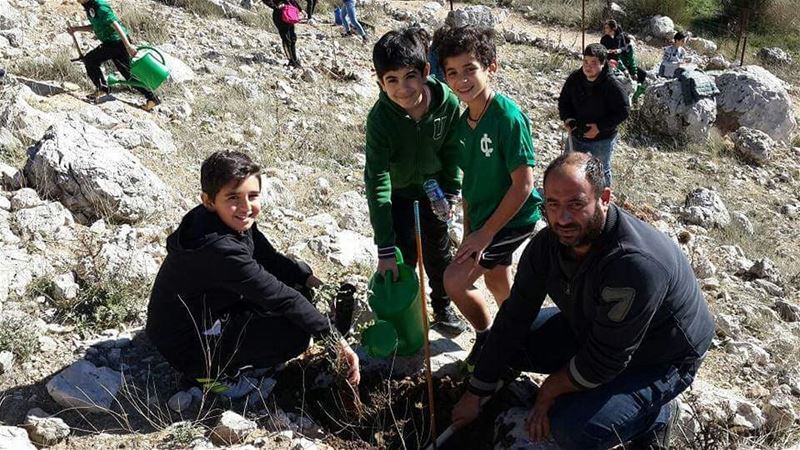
[(583, 25), (744, 41)]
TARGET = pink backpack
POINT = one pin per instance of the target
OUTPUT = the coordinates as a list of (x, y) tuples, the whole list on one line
[(290, 14)]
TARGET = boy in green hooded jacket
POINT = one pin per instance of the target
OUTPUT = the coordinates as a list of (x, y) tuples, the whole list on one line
[(410, 140)]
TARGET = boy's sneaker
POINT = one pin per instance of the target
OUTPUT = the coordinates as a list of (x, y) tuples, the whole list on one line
[(151, 104), (97, 95), (659, 439), (344, 306), (446, 321), (232, 389), (475, 353)]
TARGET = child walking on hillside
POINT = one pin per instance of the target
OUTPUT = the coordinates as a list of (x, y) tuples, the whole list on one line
[(285, 22), (497, 158), (114, 45)]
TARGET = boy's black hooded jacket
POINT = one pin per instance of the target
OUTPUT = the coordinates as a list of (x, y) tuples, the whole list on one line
[(600, 101), (211, 271)]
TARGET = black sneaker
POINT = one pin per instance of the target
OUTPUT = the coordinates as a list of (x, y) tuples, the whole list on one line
[(446, 321), (475, 353), (659, 439), (344, 305)]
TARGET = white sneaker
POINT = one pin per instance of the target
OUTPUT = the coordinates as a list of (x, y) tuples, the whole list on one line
[(233, 389)]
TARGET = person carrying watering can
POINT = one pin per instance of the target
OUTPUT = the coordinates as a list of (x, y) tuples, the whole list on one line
[(114, 45)]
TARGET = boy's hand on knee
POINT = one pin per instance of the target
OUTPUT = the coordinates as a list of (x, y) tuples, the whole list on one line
[(592, 131), (388, 264), (474, 244)]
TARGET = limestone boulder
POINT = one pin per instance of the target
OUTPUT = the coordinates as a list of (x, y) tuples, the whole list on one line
[(661, 27), (752, 97), (665, 112), (479, 15), (753, 145), (14, 438), (93, 176), (84, 386), (705, 207), (702, 46), (775, 56)]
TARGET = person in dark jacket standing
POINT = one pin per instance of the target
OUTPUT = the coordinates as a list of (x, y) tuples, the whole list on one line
[(592, 105), (114, 45), (224, 299), (285, 30), (628, 333)]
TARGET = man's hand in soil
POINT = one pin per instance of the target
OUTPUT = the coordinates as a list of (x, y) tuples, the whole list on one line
[(313, 282), (466, 410), (389, 264), (592, 131), (349, 356)]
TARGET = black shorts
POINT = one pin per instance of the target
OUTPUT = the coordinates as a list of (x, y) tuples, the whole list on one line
[(501, 249)]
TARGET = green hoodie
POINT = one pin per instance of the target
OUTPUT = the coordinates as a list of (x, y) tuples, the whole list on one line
[(102, 18), (403, 153)]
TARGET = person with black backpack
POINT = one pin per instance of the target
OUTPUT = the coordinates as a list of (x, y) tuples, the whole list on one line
[(285, 14)]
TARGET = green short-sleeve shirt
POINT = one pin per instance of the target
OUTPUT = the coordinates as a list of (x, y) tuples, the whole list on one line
[(500, 144), (102, 18)]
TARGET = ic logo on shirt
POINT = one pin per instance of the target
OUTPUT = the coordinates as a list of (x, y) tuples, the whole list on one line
[(486, 145), (438, 128), (92, 13)]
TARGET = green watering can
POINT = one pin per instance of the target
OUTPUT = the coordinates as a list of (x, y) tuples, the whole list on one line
[(148, 70), (396, 304)]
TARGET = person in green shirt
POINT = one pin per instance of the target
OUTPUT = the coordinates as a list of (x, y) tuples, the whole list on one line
[(501, 207), (410, 140), (114, 46)]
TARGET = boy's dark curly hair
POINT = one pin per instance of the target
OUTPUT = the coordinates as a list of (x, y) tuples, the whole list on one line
[(401, 48), (225, 166), (477, 41)]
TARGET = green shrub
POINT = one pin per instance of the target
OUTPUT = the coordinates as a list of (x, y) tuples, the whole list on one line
[(18, 335), (55, 68)]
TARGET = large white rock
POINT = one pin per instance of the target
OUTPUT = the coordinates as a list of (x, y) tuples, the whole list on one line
[(26, 123), (752, 97), (665, 112), (661, 27), (84, 386), (50, 223), (479, 15), (123, 257), (145, 133), (753, 145), (774, 56), (179, 72), (18, 268), (723, 407), (702, 46), (14, 438), (353, 211), (704, 207), (275, 194), (93, 176), (9, 16), (231, 429), (45, 430), (349, 248)]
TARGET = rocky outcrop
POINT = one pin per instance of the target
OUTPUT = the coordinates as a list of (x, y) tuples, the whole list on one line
[(753, 145), (665, 112), (752, 97), (704, 207), (93, 176)]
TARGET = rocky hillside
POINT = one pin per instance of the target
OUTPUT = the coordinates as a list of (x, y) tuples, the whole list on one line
[(88, 194)]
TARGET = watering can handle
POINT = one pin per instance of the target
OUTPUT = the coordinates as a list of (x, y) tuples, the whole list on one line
[(154, 50)]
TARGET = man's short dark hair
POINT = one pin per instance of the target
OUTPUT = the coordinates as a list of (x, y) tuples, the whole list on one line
[(591, 167), (225, 166), (401, 48), (612, 24), (477, 41), (679, 36), (596, 50)]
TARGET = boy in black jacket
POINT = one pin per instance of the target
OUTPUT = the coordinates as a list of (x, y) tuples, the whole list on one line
[(224, 299), (592, 105)]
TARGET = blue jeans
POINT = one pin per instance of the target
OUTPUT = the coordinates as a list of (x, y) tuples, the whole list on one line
[(602, 150), (631, 405), (350, 13)]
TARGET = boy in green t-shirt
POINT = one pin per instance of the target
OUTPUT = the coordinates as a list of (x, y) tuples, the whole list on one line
[(410, 140), (114, 45), (497, 157)]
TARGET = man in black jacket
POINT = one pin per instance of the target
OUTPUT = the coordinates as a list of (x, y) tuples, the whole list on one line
[(628, 333), (224, 299), (592, 105)]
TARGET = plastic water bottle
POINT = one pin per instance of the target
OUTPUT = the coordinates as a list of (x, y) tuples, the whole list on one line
[(439, 204)]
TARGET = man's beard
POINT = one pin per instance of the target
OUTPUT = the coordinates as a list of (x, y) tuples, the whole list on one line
[(590, 233)]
